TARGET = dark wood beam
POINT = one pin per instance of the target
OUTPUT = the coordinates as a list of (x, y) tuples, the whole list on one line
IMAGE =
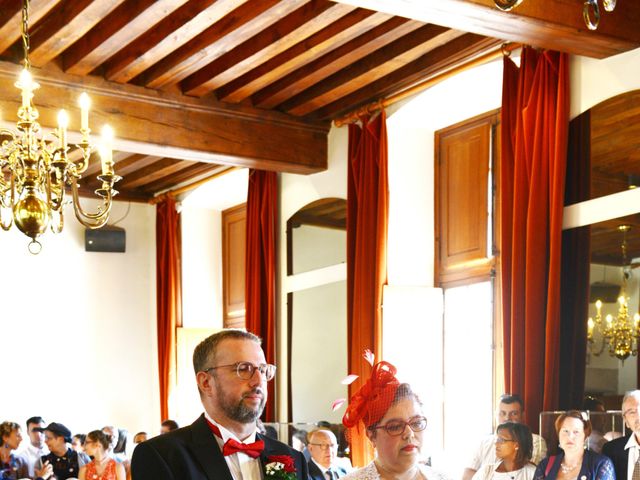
[(170, 125), (546, 24)]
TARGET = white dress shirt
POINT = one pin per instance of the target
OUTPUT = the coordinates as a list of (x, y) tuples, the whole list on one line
[(241, 465), (486, 452), (32, 456)]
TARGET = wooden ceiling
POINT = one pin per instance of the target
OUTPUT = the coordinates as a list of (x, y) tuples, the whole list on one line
[(191, 86)]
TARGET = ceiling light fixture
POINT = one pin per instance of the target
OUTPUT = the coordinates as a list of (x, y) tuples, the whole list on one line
[(36, 168), (590, 9)]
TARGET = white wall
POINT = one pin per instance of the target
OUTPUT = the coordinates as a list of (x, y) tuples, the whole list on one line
[(78, 329)]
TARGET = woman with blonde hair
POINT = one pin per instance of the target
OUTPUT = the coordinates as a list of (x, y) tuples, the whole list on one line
[(12, 467), (102, 467)]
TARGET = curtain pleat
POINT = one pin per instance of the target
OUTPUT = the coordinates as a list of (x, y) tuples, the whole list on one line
[(260, 285), (367, 218), (168, 295), (535, 115)]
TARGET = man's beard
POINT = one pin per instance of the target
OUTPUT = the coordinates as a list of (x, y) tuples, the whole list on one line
[(238, 411)]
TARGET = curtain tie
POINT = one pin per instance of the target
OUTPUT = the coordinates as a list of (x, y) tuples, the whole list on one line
[(252, 449)]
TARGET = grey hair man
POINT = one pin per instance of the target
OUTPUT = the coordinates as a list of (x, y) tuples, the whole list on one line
[(323, 447), (624, 452)]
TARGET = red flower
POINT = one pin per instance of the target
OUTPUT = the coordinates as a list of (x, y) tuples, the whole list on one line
[(286, 460)]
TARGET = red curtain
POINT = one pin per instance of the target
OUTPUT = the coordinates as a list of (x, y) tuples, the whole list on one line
[(168, 295), (367, 215), (260, 285), (535, 118)]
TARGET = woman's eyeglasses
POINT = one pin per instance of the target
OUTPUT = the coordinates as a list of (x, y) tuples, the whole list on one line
[(245, 370), (503, 440), (396, 427)]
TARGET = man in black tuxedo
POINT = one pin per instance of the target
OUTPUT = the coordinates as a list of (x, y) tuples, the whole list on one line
[(223, 444), (323, 447), (624, 452)]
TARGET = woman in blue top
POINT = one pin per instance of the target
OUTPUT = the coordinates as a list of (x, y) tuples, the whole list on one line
[(574, 462), (12, 467)]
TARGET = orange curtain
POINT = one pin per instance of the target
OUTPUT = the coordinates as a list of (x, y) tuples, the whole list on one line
[(535, 119), (260, 285), (367, 216), (168, 295)]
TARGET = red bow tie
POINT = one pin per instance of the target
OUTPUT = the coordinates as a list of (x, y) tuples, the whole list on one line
[(233, 446), (252, 449)]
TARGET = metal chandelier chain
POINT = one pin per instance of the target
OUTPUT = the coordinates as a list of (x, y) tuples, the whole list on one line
[(25, 33)]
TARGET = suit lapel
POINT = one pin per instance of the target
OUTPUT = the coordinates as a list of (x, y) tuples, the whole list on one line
[(314, 472), (207, 452)]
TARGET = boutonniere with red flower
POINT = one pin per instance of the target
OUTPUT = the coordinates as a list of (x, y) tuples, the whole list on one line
[(281, 467)]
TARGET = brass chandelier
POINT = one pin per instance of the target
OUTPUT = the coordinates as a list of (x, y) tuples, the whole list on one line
[(36, 168), (620, 334), (590, 9)]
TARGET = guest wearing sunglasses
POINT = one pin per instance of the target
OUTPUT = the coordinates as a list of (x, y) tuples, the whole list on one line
[(392, 416), (513, 452)]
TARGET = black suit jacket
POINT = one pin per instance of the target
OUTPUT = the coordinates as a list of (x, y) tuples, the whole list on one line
[(619, 456), (316, 474), (192, 453)]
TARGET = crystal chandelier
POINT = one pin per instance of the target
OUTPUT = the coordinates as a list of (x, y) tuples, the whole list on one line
[(590, 9), (620, 333), (37, 167)]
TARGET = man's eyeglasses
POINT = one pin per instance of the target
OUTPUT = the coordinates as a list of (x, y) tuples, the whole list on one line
[(245, 370), (396, 427), (324, 446)]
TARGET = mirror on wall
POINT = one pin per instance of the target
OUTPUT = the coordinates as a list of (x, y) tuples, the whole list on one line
[(317, 310), (614, 156), (615, 144)]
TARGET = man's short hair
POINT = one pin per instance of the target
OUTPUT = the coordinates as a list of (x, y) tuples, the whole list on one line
[(170, 424), (509, 398), (205, 352), (34, 420)]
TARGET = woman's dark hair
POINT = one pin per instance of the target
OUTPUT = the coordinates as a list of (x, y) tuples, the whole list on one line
[(521, 434), (121, 446), (100, 437), (586, 424), (81, 437)]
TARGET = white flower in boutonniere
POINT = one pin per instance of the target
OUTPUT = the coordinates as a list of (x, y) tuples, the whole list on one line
[(281, 467)]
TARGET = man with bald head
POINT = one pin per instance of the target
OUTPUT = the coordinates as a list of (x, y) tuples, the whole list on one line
[(323, 447)]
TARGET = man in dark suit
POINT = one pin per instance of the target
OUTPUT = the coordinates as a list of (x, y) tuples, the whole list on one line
[(223, 444), (323, 447), (624, 452)]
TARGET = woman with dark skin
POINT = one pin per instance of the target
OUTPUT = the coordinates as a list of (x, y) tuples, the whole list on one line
[(513, 452)]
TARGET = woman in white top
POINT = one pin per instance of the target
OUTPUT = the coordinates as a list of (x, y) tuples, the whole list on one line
[(392, 416), (513, 451)]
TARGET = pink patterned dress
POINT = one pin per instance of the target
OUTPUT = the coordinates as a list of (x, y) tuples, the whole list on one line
[(109, 472)]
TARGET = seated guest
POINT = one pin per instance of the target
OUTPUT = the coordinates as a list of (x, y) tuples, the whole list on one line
[(323, 447), (36, 447), (510, 409), (77, 442), (12, 467), (513, 451), (625, 451), (299, 443), (139, 438), (102, 467), (575, 461), (168, 426), (62, 462), (392, 416)]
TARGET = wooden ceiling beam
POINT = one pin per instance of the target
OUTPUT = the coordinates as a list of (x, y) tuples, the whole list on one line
[(184, 175), (166, 36), (65, 25), (439, 60), (161, 168), (367, 69), (329, 38), (554, 25), (333, 61), (286, 32), (10, 31), (169, 125), (243, 22), (123, 25)]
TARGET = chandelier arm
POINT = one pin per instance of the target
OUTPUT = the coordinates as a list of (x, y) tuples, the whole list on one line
[(91, 220), (507, 5)]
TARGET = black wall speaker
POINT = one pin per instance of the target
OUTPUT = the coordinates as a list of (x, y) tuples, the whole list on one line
[(105, 239)]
